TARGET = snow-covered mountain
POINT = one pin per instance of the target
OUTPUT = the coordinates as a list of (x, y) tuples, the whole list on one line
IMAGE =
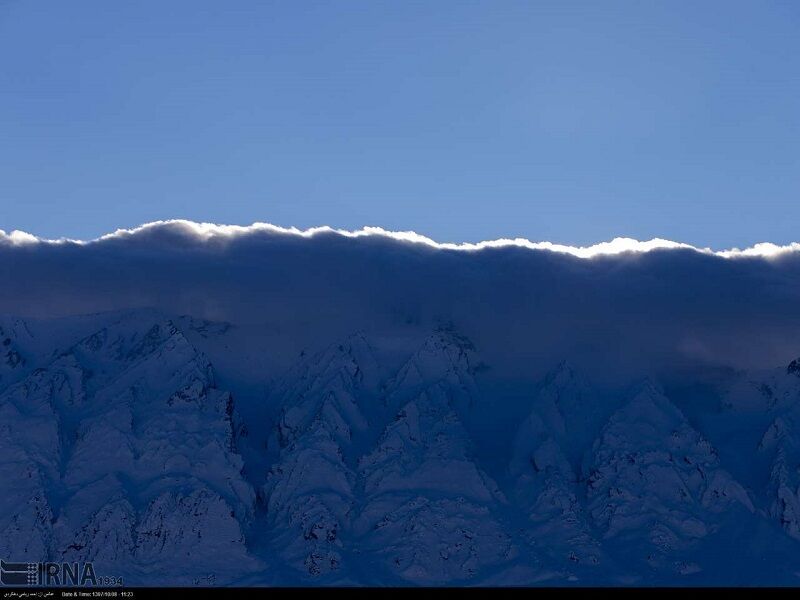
[(655, 486), (15, 342), (430, 514), (121, 450), (132, 439), (325, 408)]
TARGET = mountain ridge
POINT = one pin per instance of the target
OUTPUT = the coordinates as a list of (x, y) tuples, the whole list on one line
[(374, 474)]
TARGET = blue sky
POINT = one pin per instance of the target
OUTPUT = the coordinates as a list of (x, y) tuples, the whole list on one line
[(573, 122)]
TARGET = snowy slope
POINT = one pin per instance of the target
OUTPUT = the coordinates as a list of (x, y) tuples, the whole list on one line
[(549, 451), (430, 513), (131, 452), (326, 404), (16, 343), (655, 486), (120, 443)]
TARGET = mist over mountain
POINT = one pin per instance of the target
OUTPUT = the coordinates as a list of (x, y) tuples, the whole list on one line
[(187, 404), (633, 311)]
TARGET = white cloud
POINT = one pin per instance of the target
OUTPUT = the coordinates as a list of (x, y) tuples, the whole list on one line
[(205, 232)]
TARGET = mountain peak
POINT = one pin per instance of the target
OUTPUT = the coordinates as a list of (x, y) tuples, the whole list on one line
[(794, 367), (444, 357), (128, 339), (333, 386), (565, 375)]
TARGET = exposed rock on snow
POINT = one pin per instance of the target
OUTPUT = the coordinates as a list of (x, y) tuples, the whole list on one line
[(388, 460), (429, 510), (654, 477), (309, 492), (132, 402), (15, 342), (548, 454)]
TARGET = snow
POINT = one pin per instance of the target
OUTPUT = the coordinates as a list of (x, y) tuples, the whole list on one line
[(133, 439)]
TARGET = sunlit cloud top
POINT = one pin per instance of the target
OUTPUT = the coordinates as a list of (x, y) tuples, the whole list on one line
[(208, 232)]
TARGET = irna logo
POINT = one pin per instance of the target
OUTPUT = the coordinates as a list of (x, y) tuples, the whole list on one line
[(47, 574)]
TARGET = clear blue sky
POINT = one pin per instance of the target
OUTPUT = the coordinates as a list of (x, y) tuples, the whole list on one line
[(568, 121)]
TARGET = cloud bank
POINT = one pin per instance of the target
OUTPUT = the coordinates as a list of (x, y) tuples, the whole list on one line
[(213, 232), (619, 307)]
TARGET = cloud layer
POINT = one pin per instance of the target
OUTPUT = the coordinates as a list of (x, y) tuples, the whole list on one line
[(635, 306), (213, 232)]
